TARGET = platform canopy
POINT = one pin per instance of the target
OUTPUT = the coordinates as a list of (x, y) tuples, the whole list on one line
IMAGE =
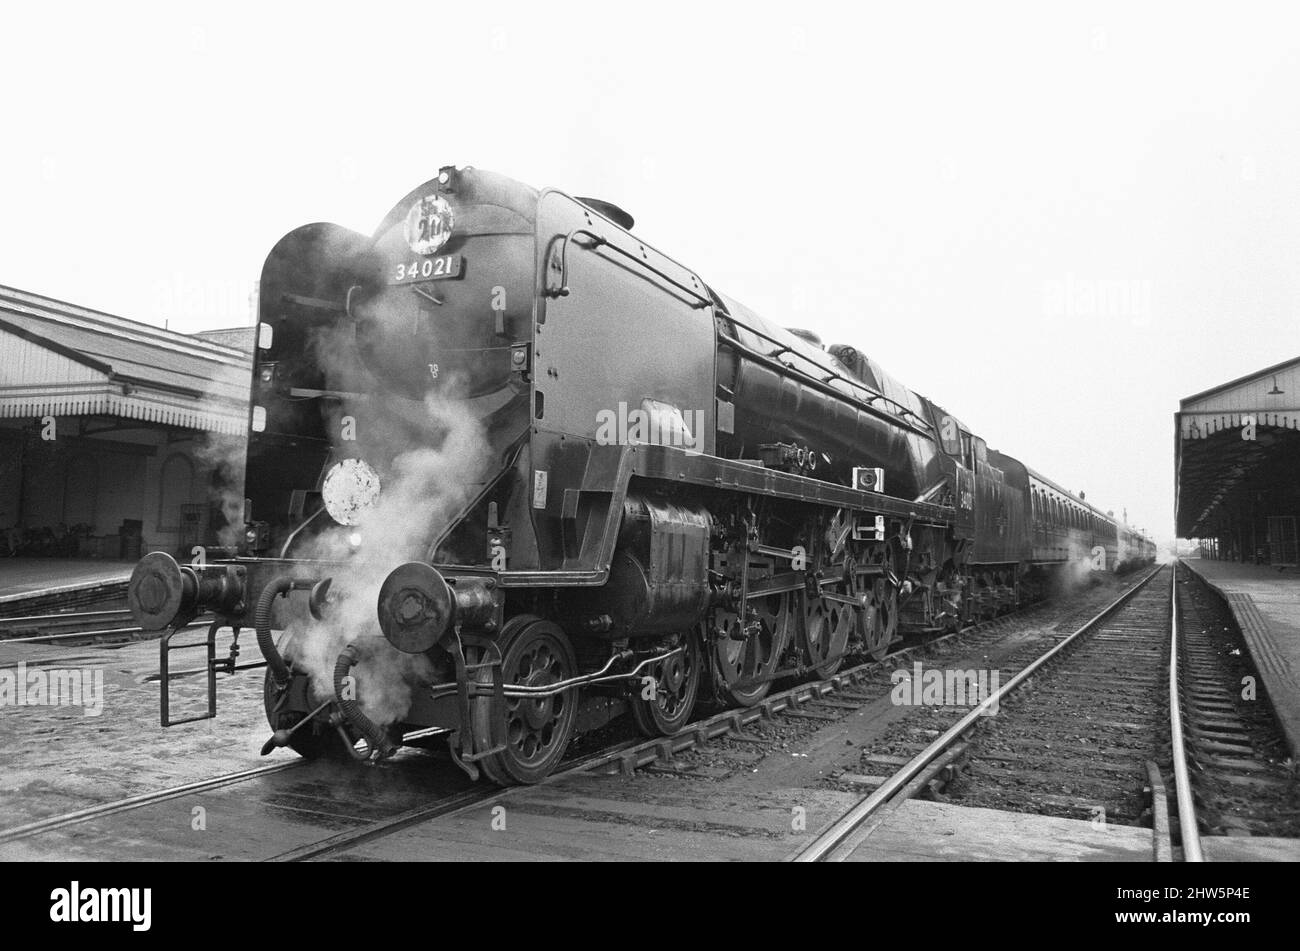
[(1236, 448), (59, 359)]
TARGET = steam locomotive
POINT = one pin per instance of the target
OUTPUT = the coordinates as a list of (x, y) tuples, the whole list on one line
[(512, 472)]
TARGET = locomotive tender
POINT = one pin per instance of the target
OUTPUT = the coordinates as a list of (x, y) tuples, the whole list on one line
[(512, 472)]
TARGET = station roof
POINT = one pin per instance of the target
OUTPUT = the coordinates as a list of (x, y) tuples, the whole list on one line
[(238, 338), (61, 359), (1212, 458)]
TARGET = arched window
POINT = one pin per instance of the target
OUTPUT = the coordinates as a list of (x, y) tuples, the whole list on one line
[(175, 490)]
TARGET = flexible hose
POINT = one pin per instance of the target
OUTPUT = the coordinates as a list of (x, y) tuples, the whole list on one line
[(369, 730), (262, 624)]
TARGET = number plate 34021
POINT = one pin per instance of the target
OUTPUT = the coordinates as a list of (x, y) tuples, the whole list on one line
[(425, 269)]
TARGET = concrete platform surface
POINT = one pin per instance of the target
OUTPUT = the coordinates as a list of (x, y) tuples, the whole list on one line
[(1266, 604), (28, 577), (1244, 848), (924, 831)]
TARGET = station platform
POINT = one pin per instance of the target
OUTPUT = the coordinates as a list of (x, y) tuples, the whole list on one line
[(924, 831), (1266, 605), (44, 583)]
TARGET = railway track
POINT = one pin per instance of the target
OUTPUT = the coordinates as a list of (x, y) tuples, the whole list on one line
[(119, 806), (1156, 678), (1076, 742), (353, 807), (307, 786), (1237, 779), (625, 757), (1087, 700), (825, 700)]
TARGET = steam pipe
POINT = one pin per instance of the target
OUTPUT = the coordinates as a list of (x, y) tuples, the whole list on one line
[(523, 691), (369, 730), (282, 584)]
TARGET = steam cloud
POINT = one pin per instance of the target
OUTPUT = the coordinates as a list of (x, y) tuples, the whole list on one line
[(423, 487), (224, 455)]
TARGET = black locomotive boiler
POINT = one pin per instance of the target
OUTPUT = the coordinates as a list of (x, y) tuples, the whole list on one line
[(512, 472)]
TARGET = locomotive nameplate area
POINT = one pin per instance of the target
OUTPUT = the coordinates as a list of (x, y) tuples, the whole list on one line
[(440, 268)]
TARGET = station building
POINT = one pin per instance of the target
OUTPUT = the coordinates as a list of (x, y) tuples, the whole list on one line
[(116, 437), (1237, 467)]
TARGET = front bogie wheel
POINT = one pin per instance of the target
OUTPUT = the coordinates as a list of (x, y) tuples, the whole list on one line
[(536, 730)]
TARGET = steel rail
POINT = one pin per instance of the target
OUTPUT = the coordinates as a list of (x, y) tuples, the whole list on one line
[(628, 755), (632, 753), (1187, 825), (135, 802), (824, 846)]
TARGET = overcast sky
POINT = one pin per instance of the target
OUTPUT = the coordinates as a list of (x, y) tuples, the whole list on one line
[(1056, 223)]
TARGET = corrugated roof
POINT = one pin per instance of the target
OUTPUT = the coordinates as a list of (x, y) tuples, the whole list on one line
[(136, 352), (242, 339), (1248, 378), (136, 371)]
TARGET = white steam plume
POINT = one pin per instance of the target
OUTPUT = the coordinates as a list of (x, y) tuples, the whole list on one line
[(422, 488)]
